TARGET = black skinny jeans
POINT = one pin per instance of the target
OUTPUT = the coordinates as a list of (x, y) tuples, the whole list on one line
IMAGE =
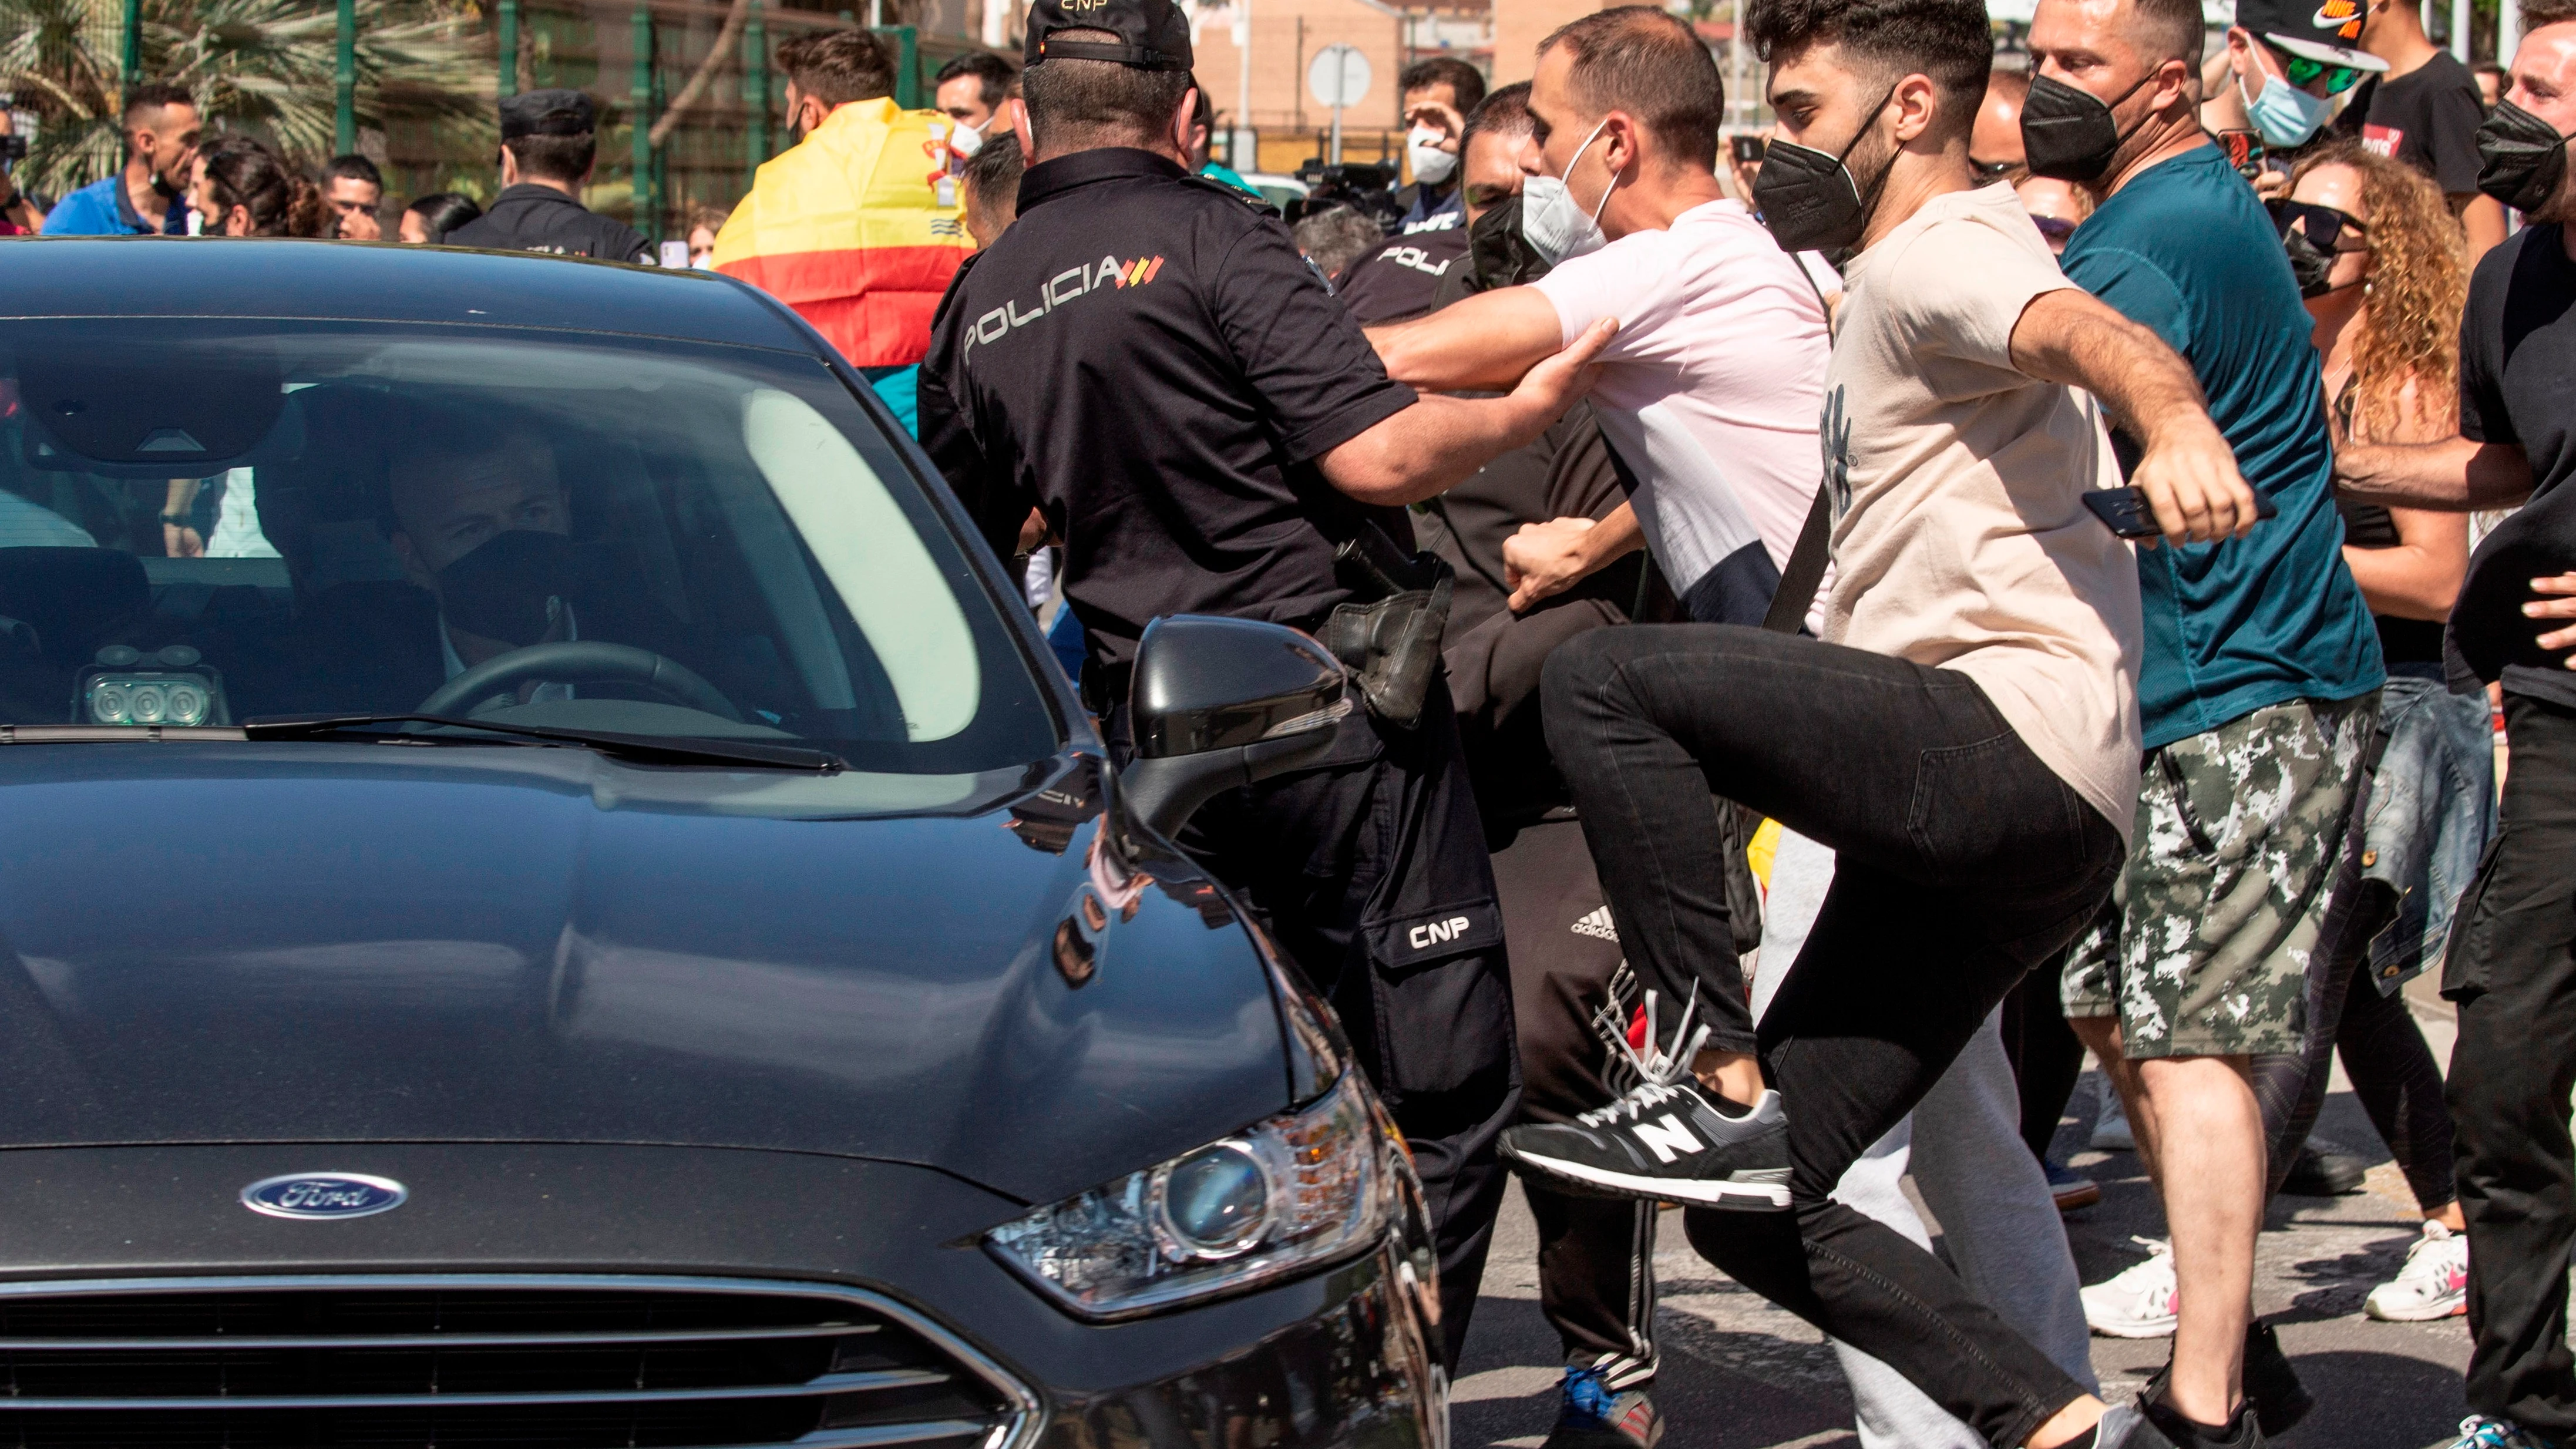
[(1962, 862)]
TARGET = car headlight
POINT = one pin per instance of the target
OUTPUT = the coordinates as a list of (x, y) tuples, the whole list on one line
[(1293, 1193)]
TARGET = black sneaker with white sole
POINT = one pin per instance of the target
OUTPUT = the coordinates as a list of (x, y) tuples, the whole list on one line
[(1667, 1141)]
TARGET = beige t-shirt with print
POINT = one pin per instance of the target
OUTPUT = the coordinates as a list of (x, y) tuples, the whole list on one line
[(1961, 540)]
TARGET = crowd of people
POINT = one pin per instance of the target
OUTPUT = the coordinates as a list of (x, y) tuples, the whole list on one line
[(2020, 561)]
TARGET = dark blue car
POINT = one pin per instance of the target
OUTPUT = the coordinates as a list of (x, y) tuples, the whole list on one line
[(550, 896)]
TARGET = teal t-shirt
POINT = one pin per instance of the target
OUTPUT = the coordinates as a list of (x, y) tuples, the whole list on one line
[(2186, 249)]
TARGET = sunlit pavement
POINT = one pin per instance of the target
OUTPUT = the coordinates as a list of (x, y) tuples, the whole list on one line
[(1738, 1373)]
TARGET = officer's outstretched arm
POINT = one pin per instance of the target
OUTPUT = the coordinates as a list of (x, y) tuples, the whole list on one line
[(1438, 441), (1484, 342)]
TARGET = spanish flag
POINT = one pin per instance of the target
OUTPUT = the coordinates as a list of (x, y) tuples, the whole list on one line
[(856, 228)]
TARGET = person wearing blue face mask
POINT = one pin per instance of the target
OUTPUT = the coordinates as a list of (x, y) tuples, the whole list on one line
[(2290, 60)]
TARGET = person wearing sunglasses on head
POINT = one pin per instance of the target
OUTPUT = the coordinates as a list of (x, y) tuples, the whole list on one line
[(2272, 87), (2423, 110)]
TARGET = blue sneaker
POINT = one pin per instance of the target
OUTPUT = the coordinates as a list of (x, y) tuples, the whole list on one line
[(1592, 1415), (2477, 1431), (2072, 1189)]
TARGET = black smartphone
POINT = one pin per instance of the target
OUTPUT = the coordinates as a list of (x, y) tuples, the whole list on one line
[(2125, 511), (1746, 149)]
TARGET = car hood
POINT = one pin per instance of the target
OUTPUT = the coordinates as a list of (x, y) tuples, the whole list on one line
[(373, 943)]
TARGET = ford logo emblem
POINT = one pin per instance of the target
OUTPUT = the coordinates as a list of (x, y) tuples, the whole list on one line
[(324, 1195)]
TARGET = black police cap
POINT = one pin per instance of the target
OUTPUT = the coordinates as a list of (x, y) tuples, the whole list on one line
[(547, 113), (1152, 34)]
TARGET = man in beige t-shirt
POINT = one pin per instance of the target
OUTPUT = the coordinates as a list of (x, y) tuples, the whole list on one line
[(1965, 738)]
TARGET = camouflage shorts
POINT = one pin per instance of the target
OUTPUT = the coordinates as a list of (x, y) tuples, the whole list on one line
[(2203, 948)]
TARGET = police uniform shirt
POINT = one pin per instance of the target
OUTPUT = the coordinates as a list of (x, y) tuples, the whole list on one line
[(1145, 357), (533, 218), (1402, 279)]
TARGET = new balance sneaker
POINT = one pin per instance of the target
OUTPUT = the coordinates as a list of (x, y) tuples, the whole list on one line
[(2139, 1301), (1592, 1415), (2072, 1189), (1664, 1141), (2477, 1431), (2433, 1284), (2111, 1131), (1669, 1139), (2271, 1385)]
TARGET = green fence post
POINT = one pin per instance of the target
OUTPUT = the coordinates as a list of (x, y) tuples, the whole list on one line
[(648, 214), (907, 64), (133, 43), (755, 87), (344, 122), (509, 85)]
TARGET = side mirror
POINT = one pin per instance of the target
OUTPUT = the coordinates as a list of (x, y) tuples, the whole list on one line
[(1219, 703)]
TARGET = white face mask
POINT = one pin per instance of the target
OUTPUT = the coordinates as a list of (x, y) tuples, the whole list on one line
[(1431, 165), (967, 140), (1553, 225)]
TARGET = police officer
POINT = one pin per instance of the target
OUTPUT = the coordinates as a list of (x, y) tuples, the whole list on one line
[(1145, 359), (548, 141)]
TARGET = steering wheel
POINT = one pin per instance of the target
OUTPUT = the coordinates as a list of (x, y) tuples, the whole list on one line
[(593, 659)]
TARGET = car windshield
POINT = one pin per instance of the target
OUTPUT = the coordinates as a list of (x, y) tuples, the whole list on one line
[(211, 522)]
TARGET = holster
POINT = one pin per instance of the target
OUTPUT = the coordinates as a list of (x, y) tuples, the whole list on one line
[(1390, 632)]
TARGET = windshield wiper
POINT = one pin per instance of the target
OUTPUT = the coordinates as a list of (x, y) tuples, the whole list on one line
[(644, 748)]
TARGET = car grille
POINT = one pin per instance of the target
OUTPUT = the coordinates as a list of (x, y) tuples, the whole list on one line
[(488, 1361)]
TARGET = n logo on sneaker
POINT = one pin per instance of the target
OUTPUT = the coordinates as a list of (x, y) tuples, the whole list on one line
[(1668, 1138)]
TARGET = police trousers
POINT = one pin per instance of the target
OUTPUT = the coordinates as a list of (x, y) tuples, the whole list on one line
[(1371, 869)]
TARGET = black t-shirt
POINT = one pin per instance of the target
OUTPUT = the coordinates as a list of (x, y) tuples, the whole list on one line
[(532, 218), (2401, 641), (2427, 118), (1145, 358), (2518, 385), (1402, 278)]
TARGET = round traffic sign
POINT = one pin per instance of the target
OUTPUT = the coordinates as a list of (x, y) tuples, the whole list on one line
[(1339, 76)]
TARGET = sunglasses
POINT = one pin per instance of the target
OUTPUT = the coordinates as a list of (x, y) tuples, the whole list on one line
[(2323, 224), (2053, 228), (2301, 71), (1990, 170)]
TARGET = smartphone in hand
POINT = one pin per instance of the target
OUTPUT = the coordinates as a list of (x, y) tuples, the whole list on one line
[(2125, 511)]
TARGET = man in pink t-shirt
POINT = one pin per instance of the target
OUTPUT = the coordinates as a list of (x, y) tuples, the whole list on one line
[(1708, 395)]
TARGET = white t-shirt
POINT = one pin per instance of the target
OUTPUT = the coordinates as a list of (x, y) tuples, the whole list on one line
[(1961, 539), (1710, 391)]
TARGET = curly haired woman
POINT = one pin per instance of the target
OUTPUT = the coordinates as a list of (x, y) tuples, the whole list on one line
[(2383, 267)]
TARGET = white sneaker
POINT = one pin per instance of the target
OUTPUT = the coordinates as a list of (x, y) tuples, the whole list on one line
[(2139, 1302), (2111, 1127), (2433, 1284)]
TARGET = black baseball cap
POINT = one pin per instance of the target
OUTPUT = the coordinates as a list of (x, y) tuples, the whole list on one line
[(2325, 31), (547, 113), (1152, 34)]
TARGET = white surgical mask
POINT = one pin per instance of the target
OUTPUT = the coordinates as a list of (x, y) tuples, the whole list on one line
[(1431, 165), (1553, 225), (968, 140), (2284, 115)]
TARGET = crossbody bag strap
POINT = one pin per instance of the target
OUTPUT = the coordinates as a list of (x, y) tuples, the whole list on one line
[(1806, 569)]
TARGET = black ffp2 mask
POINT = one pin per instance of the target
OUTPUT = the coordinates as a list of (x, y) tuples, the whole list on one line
[(1808, 198), (1497, 254), (2069, 134), (2521, 157), (503, 588), (2309, 264)]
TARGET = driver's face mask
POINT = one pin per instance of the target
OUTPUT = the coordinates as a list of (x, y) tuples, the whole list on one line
[(516, 587)]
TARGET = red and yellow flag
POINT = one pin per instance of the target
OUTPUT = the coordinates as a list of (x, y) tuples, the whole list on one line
[(848, 228)]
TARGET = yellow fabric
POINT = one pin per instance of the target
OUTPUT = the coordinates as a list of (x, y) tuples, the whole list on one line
[(1762, 850), (868, 177)]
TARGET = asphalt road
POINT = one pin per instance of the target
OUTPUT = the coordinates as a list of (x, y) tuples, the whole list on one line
[(1739, 1374)]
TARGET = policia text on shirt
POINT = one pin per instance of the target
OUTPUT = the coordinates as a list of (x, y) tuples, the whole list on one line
[(1144, 358)]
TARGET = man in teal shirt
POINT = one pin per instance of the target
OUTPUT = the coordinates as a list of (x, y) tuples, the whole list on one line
[(2259, 694)]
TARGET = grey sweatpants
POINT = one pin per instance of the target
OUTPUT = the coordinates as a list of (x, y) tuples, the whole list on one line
[(1963, 1145)]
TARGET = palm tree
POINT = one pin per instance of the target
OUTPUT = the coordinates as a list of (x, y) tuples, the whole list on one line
[(265, 66)]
